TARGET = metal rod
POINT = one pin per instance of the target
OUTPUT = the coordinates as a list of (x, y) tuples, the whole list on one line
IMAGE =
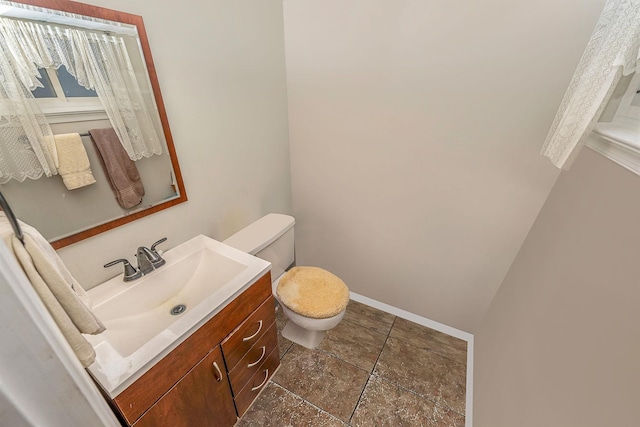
[(12, 218)]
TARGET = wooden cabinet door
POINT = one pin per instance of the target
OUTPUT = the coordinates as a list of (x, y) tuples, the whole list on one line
[(200, 398)]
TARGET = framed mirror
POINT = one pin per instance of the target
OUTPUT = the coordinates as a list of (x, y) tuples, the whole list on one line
[(67, 216)]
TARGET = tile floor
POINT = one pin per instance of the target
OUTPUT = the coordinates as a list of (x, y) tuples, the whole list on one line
[(373, 369)]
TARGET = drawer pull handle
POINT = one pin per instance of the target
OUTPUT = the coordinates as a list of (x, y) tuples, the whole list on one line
[(257, 332), (266, 377), (264, 350), (218, 375)]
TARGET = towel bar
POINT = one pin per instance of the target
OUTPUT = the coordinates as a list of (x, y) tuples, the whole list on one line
[(12, 218)]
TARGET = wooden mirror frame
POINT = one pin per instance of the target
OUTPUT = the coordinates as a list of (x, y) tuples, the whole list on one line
[(127, 18)]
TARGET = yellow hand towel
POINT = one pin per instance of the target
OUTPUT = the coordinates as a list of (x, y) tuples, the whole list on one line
[(73, 162), (50, 144)]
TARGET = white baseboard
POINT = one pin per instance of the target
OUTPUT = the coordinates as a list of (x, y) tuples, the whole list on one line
[(465, 336)]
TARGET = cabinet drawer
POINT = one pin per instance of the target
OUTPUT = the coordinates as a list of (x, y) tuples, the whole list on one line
[(257, 382), (236, 345), (250, 363)]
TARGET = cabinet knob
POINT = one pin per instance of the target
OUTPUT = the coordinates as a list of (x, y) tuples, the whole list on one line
[(218, 373), (257, 332)]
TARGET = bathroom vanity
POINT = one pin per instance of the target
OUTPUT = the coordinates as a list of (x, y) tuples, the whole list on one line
[(213, 376), (200, 365)]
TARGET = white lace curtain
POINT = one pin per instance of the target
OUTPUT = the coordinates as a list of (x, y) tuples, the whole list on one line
[(23, 127), (98, 61), (612, 51)]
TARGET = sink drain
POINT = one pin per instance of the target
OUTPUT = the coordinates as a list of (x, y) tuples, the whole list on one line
[(178, 309)]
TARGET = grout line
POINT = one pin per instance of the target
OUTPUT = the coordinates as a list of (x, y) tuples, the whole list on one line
[(286, 351), (385, 343), (372, 370), (355, 408)]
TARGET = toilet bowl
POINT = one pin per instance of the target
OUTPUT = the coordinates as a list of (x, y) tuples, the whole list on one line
[(272, 238), (306, 331)]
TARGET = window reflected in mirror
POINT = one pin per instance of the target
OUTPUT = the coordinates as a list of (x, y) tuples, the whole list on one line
[(104, 142)]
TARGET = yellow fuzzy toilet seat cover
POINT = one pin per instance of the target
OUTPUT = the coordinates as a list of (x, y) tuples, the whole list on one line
[(313, 292)]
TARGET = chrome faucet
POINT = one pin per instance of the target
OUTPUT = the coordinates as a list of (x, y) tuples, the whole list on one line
[(148, 260), (145, 263)]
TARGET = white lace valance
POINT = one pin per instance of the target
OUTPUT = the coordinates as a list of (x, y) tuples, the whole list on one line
[(612, 51)]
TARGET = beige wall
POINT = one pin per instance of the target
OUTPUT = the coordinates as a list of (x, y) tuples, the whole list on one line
[(220, 65), (559, 345), (415, 128)]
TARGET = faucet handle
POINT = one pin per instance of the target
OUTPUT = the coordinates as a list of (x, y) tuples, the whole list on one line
[(153, 247), (157, 260), (130, 272)]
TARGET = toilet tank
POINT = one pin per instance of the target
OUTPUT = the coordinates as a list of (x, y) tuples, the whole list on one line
[(269, 238)]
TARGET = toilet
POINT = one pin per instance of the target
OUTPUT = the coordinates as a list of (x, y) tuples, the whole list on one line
[(314, 300)]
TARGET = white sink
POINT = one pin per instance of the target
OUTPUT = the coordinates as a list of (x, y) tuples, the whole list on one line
[(202, 274)]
